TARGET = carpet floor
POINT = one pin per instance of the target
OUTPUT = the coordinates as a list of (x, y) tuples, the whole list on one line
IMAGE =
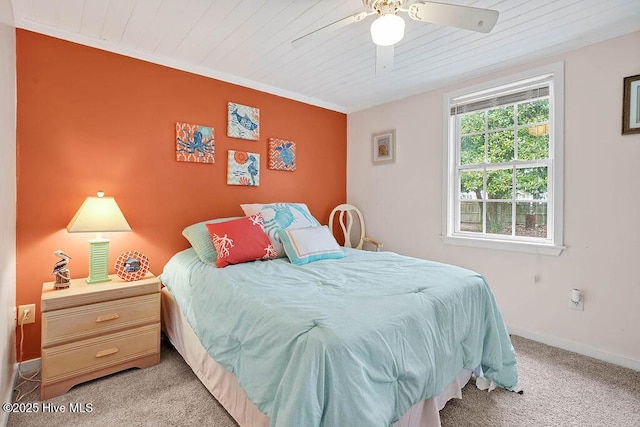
[(560, 389)]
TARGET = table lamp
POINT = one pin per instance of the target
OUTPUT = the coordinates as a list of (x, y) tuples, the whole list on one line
[(98, 215)]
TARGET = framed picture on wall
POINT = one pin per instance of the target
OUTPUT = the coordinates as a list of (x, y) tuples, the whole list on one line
[(282, 155), (631, 105), (243, 168), (384, 147), (195, 143), (243, 121)]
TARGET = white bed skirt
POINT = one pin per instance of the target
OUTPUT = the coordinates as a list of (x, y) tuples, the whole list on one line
[(225, 388)]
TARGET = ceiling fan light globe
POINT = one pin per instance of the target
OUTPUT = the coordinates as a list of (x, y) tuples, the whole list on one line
[(387, 30)]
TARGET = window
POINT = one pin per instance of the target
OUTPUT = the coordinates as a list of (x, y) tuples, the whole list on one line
[(504, 155)]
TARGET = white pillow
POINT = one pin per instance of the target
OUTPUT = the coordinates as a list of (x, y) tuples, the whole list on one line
[(283, 216), (305, 245)]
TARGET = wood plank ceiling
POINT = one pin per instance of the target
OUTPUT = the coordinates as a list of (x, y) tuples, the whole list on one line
[(249, 41)]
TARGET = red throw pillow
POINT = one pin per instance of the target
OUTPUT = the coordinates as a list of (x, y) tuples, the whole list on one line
[(241, 240)]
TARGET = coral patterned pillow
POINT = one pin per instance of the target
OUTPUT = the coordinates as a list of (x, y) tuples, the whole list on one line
[(241, 240)]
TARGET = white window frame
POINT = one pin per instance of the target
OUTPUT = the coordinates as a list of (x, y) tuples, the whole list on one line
[(553, 245)]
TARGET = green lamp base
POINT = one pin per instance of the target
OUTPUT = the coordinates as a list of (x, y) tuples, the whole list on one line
[(98, 261)]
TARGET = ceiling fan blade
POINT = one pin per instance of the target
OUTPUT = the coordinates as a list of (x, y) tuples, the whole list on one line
[(384, 59), (320, 32), (469, 18)]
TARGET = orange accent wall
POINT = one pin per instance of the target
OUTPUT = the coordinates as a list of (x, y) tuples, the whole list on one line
[(91, 120)]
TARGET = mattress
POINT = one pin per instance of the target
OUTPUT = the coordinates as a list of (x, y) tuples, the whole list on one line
[(224, 386)]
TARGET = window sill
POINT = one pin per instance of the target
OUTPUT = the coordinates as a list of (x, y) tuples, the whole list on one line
[(532, 248)]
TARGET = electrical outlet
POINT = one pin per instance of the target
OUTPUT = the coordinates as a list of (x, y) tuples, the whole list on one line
[(577, 305), (576, 299), (31, 315)]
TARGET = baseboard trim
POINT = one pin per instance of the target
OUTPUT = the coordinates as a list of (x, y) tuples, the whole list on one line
[(7, 396), (576, 348)]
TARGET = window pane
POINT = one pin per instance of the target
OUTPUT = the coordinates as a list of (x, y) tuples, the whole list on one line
[(500, 118), (499, 218), (531, 183), (501, 176), (472, 123), (471, 216), (500, 146), (533, 142), (471, 149), (531, 219), (471, 184), (500, 184), (533, 112)]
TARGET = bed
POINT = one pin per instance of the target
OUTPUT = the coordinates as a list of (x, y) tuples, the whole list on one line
[(371, 338)]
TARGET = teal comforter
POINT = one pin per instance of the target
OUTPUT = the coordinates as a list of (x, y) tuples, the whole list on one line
[(349, 342)]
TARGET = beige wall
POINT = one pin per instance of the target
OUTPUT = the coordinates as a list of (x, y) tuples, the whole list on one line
[(402, 204), (7, 202)]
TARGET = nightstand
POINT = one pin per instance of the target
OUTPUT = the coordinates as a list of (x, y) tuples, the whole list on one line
[(89, 331)]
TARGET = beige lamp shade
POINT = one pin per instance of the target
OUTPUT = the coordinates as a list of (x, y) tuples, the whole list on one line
[(98, 214)]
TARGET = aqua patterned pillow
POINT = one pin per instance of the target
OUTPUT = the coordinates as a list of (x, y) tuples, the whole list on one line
[(283, 216), (198, 236)]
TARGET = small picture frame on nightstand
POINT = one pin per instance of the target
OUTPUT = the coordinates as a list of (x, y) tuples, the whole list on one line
[(132, 265)]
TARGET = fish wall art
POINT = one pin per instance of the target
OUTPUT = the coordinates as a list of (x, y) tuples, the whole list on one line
[(243, 121)]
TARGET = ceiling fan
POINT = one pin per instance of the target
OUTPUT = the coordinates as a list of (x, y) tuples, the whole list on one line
[(388, 28)]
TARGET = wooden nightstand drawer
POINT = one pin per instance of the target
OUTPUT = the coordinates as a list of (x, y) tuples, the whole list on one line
[(93, 330), (72, 324), (81, 293), (78, 358)]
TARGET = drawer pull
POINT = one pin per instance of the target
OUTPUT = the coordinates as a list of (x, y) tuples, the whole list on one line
[(107, 352), (107, 317)]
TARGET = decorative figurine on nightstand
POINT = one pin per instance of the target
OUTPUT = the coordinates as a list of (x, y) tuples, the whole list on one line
[(60, 270)]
